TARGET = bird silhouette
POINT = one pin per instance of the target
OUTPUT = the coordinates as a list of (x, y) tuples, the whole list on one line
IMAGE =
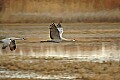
[(10, 42), (56, 33)]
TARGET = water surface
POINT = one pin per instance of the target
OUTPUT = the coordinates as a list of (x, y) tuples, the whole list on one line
[(93, 41)]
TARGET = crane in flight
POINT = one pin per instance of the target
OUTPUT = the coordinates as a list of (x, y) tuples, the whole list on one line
[(10, 42), (56, 33)]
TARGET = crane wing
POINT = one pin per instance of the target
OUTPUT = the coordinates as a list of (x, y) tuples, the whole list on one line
[(12, 45), (54, 33)]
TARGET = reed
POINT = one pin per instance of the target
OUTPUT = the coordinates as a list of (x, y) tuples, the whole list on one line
[(36, 11)]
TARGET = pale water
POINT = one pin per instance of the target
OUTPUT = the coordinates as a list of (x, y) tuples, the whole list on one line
[(94, 43)]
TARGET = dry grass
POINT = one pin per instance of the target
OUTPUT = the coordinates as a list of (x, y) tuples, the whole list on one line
[(51, 66), (19, 79), (36, 11)]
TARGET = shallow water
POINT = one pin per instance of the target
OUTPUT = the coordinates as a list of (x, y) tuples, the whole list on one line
[(74, 50), (94, 42)]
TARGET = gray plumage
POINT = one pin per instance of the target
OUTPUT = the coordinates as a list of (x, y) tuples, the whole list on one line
[(10, 42), (56, 33), (12, 45)]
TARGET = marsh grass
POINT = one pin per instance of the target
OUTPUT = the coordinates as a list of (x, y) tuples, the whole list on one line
[(88, 70), (39, 11), (66, 17)]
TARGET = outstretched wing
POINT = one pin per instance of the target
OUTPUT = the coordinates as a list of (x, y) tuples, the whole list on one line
[(54, 33), (5, 42), (59, 25), (60, 32), (60, 29), (5, 45), (12, 45)]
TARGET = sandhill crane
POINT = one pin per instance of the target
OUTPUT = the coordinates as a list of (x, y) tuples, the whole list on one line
[(56, 33), (10, 42)]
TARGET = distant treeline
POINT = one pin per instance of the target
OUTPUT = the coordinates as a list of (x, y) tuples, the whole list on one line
[(38, 11)]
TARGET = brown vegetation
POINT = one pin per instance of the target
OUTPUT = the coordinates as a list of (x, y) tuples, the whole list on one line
[(82, 70), (35, 11), (58, 66)]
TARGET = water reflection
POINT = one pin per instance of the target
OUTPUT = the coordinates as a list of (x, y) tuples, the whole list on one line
[(82, 51)]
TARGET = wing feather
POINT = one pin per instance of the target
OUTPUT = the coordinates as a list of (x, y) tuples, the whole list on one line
[(6, 43), (12, 45), (54, 33)]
